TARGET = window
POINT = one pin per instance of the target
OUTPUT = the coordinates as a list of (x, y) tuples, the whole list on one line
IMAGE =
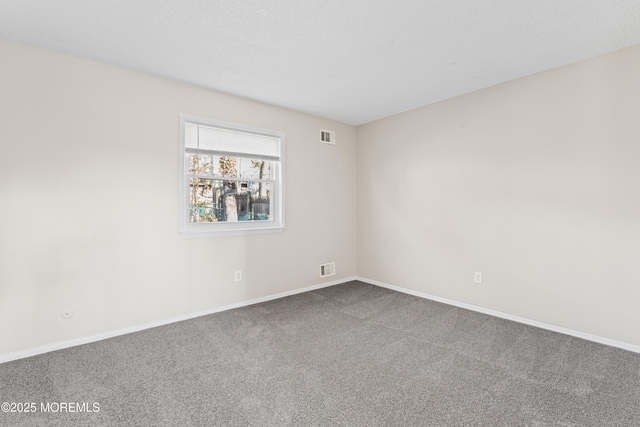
[(230, 178)]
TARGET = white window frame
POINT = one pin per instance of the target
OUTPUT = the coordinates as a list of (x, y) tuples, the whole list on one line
[(217, 229)]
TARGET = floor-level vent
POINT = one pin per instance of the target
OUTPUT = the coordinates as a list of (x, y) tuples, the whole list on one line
[(328, 269)]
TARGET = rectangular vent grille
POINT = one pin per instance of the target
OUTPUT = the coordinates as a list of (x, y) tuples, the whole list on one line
[(328, 269), (327, 137)]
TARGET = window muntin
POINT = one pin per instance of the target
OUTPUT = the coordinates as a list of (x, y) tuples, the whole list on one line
[(231, 178)]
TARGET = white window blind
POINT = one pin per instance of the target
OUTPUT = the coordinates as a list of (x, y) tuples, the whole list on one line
[(230, 142)]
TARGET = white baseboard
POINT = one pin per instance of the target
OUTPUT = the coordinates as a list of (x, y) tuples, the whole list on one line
[(86, 340), (7, 357), (554, 328)]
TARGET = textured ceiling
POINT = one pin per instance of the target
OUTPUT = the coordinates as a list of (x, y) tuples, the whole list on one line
[(349, 60)]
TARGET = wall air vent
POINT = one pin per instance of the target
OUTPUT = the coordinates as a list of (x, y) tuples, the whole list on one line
[(328, 269), (327, 137)]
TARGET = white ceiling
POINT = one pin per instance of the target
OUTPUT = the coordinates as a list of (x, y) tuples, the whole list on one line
[(349, 60)]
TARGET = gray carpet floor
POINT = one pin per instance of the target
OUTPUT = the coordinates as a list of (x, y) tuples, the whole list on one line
[(352, 354)]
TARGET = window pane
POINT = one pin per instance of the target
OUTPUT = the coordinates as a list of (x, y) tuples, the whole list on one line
[(254, 169), (226, 166), (203, 200), (192, 163), (253, 201), (200, 164), (215, 200)]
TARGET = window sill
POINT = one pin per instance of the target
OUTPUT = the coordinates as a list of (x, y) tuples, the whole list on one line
[(194, 234)]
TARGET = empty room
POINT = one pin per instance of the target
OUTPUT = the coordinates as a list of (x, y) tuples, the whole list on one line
[(286, 213)]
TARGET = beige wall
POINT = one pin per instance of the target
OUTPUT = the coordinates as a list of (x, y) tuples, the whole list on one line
[(534, 182), (89, 202)]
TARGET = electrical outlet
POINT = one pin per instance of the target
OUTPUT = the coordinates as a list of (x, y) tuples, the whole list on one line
[(477, 277), (238, 276)]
